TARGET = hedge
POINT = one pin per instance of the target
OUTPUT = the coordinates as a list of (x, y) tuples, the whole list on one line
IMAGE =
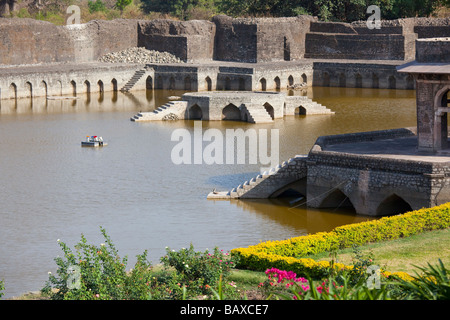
[(291, 254)]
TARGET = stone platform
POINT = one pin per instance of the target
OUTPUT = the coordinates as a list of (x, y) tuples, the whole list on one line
[(253, 107)]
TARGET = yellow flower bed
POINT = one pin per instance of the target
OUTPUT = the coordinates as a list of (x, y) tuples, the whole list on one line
[(290, 254)]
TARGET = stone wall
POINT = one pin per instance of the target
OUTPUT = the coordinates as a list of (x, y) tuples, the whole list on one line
[(188, 40), (393, 41), (27, 41), (373, 185)]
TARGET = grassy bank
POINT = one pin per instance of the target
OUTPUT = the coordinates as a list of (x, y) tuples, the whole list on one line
[(400, 255)]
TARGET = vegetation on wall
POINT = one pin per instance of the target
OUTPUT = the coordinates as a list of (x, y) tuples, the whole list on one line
[(328, 10)]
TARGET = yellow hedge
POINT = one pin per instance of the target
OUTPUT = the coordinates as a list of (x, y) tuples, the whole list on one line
[(289, 254)]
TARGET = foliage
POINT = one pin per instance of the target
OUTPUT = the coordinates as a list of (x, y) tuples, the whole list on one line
[(292, 253), (183, 9), (197, 270), (96, 6), (2, 287), (121, 4), (433, 283), (97, 272)]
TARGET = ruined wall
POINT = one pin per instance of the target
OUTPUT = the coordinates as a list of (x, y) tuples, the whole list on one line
[(189, 40), (260, 39), (28, 41), (394, 41)]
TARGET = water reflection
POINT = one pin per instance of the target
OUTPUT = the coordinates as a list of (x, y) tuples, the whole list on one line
[(52, 188)]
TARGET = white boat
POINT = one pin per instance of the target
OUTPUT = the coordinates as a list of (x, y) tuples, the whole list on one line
[(93, 141)]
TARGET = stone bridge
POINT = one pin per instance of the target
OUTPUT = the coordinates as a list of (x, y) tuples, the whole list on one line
[(376, 173), (253, 107)]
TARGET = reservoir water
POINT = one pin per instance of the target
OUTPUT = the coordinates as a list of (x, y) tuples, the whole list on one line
[(52, 188)]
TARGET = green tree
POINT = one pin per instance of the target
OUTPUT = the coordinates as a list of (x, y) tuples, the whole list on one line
[(121, 4), (96, 6), (178, 8)]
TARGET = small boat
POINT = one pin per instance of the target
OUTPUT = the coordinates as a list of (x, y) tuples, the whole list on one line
[(93, 141)]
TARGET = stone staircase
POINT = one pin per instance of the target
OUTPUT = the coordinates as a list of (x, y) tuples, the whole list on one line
[(267, 184), (134, 79), (309, 106), (172, 110), (258, 115)]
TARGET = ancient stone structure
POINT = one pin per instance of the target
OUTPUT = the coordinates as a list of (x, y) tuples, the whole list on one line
[(431, 70), (253, 107), (225, 53), (382, 172)]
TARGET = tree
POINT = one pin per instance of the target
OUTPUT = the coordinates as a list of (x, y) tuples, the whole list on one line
[(121, 4)]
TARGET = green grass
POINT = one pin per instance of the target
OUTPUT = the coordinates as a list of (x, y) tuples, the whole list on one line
[(402, 254)]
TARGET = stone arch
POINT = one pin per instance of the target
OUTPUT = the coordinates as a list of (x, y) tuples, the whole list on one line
[(74, 88), (358, 81), (326, 79), (336, 199), (293, 189), (300, 110), (277, 83), (441, 100), (393, 204), (208, 82), (290, 80), (304, 78), (59, 87), (392, 82), (241, 84), (342, 80), (195, 113), (409, 82), (87, 87), (187, 83), (269, 110), (227, 83), (375, 81), (159, 83), (29, 89), (263, 84), (114, 85), (13, 91), (101, 87), (44, 87), (231, 112), (171, 83), (149, 83)]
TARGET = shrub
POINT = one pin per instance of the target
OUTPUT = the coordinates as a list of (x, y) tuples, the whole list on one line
[(199, 270), (292, 253), (97, 272)]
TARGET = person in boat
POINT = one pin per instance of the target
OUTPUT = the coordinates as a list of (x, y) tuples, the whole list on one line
[(100, 141)]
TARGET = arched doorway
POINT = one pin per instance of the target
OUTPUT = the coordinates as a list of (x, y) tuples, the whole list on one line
[(442, 100), (231, 112), (300, 110), (342, 80), (358, 81), (277, 83), (290, 81), (29, 89), (269, 110), (87, 87), (393, 205), (392, 82), (208, 84), (195, 113), (263, 84), (74, 88), (149, 83), (304, 78), (336, 199)]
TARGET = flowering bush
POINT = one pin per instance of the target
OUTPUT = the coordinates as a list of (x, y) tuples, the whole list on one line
[(199, 270), (292, 253), (97, 272)]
